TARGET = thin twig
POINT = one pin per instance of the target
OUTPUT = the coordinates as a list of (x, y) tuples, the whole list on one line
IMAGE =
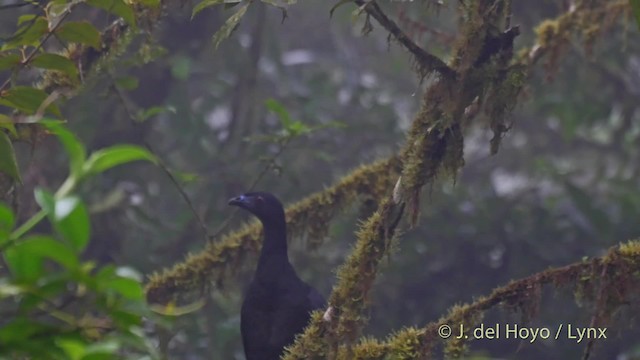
[(130, 113), (33, 53)]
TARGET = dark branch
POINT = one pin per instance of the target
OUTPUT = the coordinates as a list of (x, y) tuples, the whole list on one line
[(427, 61)]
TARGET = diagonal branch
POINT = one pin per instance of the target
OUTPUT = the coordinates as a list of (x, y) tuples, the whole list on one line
[(426, 61)]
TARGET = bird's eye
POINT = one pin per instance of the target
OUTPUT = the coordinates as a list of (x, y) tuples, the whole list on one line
[(260, 199)]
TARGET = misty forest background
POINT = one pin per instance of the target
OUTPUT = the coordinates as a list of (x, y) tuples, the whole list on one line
[(292, 107)]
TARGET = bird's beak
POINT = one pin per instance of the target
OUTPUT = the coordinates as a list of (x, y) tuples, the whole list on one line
[(241, 201)]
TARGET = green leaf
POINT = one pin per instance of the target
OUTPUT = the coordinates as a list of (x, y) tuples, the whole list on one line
[(7, 219), (203, 5), (337, 5), (7, 123), (27, 99), (29, 33), (74, 348), (80, 32), (128, 288), (7, 222), (229, 26), (282, 113), (9, 61), (105, 159), (8, 162), (45, 199), (99, 350), (45, 247), (55, 62), (20, 329), (72, 221), (635, 6), (116, 7), (127, 82), (25, 18), (74, 148), (23, 265)]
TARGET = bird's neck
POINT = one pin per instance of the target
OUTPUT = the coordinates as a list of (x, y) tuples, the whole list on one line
[(274, 247)]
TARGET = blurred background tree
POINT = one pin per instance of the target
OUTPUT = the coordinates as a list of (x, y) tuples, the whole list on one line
[(564, 185)]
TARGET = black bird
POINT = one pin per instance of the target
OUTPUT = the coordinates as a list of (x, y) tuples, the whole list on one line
[(278, 304)]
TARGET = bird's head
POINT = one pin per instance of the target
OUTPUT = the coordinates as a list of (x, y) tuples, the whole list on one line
[(265, 206)]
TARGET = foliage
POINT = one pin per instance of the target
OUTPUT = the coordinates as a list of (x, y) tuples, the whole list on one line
[(56, 305)]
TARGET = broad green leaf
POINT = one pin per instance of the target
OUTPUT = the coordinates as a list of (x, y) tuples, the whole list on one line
[(203, 5), (75, 149), (125, 318), (9, 61), (127, 82), (24, 266), (80, 32), (101, 350), (45, 199), (106, 273), (7, 123), (116, 7), (7, 222), (635, 6), (128, 288), (277, 108), (55, 62), (71, 219), (27, 99), (229, 26), (29, 33), (105, 159), (7, 219), (41, 247), (25, 18), (8, 162), (74, 348), (19, 329)]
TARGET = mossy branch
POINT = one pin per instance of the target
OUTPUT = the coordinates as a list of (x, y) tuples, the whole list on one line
[(311, 215), (618, 281), (487, 77)]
